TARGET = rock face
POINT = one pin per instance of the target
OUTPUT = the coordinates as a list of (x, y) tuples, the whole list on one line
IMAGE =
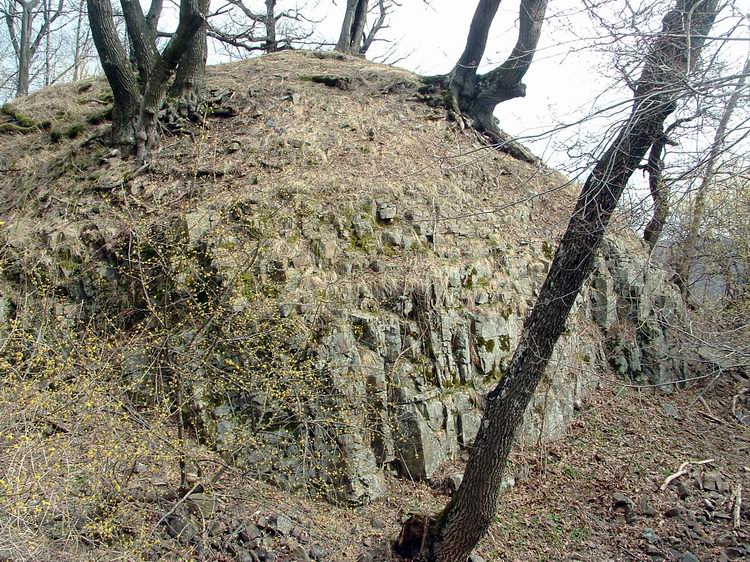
[(406, 364), (340, 279), (641, 313)]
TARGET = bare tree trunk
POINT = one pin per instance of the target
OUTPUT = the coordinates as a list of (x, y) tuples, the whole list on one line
[(152, 18), (465, 71), (352, 28), (369, 38), (358, 26), (24, 48), (659, 192), (271, 44), (47, 46), (190, 81), (25, 43), (142, 42), (116, 67), (467, 517), (78, 53), (689, 244), (476, 96), (191, 19)]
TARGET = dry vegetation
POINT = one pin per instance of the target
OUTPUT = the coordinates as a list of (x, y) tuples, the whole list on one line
[(88, 471)]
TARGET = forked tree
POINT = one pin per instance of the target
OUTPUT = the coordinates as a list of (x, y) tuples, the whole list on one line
[(477, 95), (451, 536), (355, 36), (353, 26), (139, 97), (244, 30)]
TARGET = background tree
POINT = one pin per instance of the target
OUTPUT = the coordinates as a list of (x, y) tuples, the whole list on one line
[(353, 26), (139, 98), (453, 535), (82, 43), (65, 52), (355, 36), (688, 246), (29, 24), (618, 34), (658, 187), (244, 28)]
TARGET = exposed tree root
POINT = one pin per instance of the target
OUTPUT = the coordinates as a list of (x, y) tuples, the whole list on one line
[(436, 93)]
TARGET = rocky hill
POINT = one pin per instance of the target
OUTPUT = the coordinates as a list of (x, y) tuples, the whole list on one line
[(324, 275)]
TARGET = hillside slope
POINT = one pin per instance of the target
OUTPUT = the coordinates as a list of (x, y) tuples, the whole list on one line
[(319, 281)]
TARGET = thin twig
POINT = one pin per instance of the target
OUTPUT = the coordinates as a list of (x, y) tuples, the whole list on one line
[(737, 507), (175, 506), (682, 471)]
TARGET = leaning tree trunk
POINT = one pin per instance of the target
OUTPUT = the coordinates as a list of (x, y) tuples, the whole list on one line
[(467, 517), (464, 75), (660, 190)]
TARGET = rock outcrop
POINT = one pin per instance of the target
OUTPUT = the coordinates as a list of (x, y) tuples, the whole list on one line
[(339, 276)]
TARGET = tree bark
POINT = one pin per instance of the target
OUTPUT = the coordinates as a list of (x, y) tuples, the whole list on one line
[(471, 510), (358, 26), (271, 44), (190, 81), (24, 51), (352, 28), (152, 18), (191, 19), (659, 193), (135, 112), (117, 69), (465, 71), (142, 41)]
